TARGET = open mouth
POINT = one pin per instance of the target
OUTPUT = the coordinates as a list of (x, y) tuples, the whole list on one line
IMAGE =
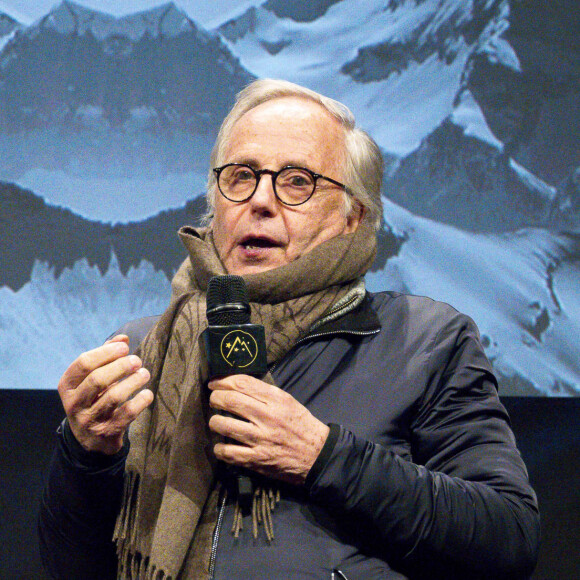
[(251, 243)]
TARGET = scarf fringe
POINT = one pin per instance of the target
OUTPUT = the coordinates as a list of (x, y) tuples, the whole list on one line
[(140, 568), (136, 567), (126, 518), (131, 563), (264, 500)]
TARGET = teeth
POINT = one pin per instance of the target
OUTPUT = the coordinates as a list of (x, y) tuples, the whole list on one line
[(251, 244)]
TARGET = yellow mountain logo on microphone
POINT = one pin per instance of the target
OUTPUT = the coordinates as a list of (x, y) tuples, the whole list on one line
[(239, 349)]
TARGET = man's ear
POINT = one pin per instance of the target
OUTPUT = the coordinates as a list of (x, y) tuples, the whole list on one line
[(354, 217)]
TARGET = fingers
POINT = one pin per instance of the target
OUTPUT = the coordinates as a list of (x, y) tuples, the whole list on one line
[(91, 360), (102, 392), (279, 437), (100, 427), (102, 380), (123, 415), (119, 392), (242, 445), (118, 338), (134, 406), (238, 455), (242, 431), (250, 386), (237, 403)]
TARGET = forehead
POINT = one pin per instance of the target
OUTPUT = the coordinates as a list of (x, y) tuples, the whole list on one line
[(287, 130)]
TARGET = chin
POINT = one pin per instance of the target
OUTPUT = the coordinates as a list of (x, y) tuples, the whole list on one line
[(246, 269)]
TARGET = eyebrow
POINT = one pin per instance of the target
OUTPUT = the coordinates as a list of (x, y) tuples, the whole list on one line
[(253, 163)]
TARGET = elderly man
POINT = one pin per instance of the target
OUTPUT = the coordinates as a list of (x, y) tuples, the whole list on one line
[(376, 446)]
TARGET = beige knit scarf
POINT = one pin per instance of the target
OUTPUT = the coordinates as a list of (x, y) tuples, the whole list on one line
[(169, 510)]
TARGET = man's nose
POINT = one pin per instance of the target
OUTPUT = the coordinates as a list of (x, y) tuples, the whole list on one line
[(264, 198)]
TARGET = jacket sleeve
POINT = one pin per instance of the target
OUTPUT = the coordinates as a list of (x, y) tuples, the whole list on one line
[(78, 510), (463, 506)]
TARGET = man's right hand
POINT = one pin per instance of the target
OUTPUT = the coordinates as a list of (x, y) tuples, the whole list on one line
[(97, 395)]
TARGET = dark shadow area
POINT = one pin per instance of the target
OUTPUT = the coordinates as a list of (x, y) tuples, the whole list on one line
[(546, 430)]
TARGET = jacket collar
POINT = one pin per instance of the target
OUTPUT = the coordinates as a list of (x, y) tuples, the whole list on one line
[(361, 319)]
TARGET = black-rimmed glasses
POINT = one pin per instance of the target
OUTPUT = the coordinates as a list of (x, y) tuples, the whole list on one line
[(292, 185)]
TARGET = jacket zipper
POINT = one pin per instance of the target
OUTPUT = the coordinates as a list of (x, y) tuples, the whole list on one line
[(330, 333), (216, 535)]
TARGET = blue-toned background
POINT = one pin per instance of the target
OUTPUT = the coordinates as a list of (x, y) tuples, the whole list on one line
[(108, 111), (107, 117)]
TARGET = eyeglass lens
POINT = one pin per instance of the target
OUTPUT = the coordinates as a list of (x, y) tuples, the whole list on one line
[(293, 185)]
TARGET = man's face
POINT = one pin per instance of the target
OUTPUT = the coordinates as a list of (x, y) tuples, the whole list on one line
[(262, 233)]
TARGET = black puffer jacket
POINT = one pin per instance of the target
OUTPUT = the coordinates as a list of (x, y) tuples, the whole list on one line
[(419, 478)]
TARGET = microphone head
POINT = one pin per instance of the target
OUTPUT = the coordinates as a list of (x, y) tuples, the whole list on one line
[(227, 301)]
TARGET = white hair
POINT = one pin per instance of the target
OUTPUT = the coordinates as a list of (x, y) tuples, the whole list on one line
[(364, 162)]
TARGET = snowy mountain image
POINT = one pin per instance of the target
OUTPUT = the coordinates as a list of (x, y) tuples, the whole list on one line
[(107, 121), (96, 108)]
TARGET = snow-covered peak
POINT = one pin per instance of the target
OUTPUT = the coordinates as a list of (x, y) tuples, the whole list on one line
[(7, 23), (385, 60), (468, 115), (11, 16), (8, 27), (166, 20), (70, 17), (494, 45), (56, 317), (520, 288)]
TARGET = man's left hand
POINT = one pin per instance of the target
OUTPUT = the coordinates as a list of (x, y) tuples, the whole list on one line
[(274, 435)]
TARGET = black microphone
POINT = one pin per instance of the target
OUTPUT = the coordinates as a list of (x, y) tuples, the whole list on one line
[(232, 344)]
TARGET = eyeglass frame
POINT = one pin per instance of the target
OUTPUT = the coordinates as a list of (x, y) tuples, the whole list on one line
[(274, 176)]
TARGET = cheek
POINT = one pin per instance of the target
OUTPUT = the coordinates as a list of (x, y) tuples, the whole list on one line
[(330, 215), (323, 224), (222, 233)]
